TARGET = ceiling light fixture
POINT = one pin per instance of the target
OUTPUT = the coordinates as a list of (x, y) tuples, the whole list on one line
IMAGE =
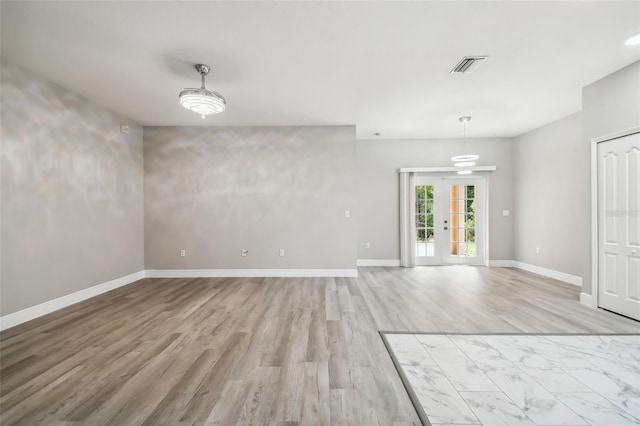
[(634, 40), (465, 160), (202, 101)]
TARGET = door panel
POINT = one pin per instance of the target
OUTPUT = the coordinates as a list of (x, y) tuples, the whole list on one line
[(425, 233), (619, 225), (610, 274), (610, 186), (634, 277), (463, 211), (633, 196)]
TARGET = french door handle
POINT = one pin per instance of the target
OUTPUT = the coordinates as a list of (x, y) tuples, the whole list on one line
[(446, 227)]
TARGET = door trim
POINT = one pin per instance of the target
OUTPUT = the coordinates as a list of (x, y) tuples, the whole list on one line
[(446, 169), (592, 299)]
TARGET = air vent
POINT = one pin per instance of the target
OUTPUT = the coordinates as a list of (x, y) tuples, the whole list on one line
[(468, 64)]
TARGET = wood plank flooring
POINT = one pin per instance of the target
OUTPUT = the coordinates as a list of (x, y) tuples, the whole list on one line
[(258, 351)]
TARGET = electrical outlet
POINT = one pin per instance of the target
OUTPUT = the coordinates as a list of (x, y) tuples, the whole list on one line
[(183, 253), (537, 250), (505, 212), (124, 129), (245, 252), (281, 253), (346, 213), (367, 245)]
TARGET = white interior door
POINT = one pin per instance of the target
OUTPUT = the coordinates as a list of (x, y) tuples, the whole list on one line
[(619, 225), (450, 225)]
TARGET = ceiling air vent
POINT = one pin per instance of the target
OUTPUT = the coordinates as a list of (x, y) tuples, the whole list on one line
[(468, 64)]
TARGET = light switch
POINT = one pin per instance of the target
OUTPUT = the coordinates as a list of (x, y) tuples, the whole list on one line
[(346, 213), (505, 212)]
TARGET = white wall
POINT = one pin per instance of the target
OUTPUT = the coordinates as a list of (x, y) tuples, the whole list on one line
[(378, 190), (609, 105), (551, 197), (214, 191), (72, 200)]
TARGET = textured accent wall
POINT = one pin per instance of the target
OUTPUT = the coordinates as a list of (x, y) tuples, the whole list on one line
[(72, 193), (214, 191), (378, 190)]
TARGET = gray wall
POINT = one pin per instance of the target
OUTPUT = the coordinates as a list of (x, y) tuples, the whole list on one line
[(551, 197), (378, 190), (609, 105), (72, 200), (214, 191), (74, 213)]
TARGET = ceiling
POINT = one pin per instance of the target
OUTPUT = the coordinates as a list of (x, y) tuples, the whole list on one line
[(382, 66)]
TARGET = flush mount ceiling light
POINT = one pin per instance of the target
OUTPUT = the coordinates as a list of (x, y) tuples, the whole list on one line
[(464, 160), (634, 40), (202, 101)]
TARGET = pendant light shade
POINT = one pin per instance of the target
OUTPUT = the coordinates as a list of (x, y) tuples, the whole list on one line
[(202, 101), (465, 160)]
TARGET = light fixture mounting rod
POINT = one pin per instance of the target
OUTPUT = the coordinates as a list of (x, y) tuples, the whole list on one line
[(203, 69), (464, 119)]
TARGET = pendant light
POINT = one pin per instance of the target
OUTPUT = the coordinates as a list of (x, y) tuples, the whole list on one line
[(466, 159), (202, 101)]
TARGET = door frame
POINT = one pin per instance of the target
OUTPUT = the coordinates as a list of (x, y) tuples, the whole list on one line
[(481, 261), (593, 301)]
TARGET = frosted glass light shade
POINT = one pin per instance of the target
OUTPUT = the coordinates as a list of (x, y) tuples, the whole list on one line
[(202, 101), (470, 157)]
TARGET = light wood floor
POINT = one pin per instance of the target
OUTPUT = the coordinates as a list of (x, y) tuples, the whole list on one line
[(278, 351)]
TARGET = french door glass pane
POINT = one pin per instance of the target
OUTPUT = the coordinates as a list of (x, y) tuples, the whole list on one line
[(424, 221), (462, 221)]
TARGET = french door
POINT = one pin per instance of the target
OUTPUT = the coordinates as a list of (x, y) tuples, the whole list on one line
[(449, 221)]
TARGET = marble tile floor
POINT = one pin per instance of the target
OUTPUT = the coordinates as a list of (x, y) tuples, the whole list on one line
[(459, 379)]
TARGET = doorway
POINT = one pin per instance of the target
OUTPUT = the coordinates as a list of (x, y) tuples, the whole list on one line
[(449, 221), (618, 225)]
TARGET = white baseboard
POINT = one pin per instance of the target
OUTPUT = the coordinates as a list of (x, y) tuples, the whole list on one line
[(502, 263), (378, 262), (34, 312), (250, 273), (588, 300), (557, 275), (560, 276)]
